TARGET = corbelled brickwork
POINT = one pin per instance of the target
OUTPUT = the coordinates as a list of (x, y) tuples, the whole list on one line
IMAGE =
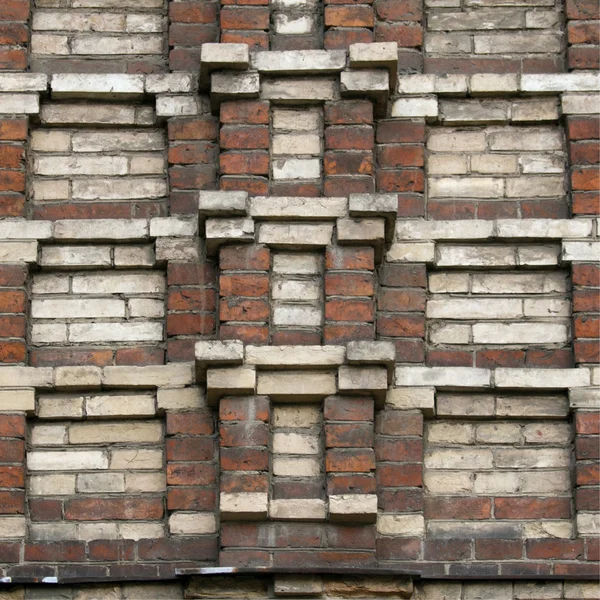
[(299, 299)]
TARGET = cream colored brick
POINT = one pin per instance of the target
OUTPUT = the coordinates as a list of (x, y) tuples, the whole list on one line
[(76, 308), (181, 523), (472, 405), (113, 45), (91, 483), (67, 461), (46, 283), (449, 433), (456, 141), (580, 590), (138, 458), (295, 443), (134, 256), (402, 525), (447, 482), (440, 283), (53, 531), (532, 406), (518, 283), (76, 256), (60, 407), (115, 332), (494, 163), (49, 44), (13, 527), (484, 591), (533, 187), (48, 435), (80, 165), (533, 138), (535, 109), (180, 398), (153, 164), (244, 505), (296, 467), (517, 42), (122, 188), (45, 140), (122, 283), (532, 458), (144, 23), (458, 459), (544, 482), (172, 375), (296, 263), (477, 308), (441, 591), (548, 529), (305, 509), (294, 120), (145, 482), (103, 433), (140, 531), (580, 104), (50, 190), (296, 384), (297, 144), (17, 400), (296, 416), (499, 482), (450, 334), (498, 433), (406, 398), (51, 485), (472, 187), (547, 433), (542, 163), (97, 531), (118, 141), (447, 164), (120, 406), (519, 333)]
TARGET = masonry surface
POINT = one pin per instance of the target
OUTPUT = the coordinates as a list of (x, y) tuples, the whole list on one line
[(299, 299)]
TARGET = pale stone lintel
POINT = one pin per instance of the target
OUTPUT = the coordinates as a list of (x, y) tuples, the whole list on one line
[(229, 381), (297, 357), (293, 62), (243, 506), (305, 509), (494, 84), (354, 508)]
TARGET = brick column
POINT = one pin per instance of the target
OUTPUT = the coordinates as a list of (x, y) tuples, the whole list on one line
[(242, 24), (582, 34), (244, 290), (191, 24), (14, 35), (192, 154), (349, 145), (13, 306), (349, 294), (347, 24), (586, 305), (13, 135), (348, 164), (400, 160)]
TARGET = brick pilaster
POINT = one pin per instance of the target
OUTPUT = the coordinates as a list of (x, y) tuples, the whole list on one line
[(13, 135), (582, 34), (14, 35)]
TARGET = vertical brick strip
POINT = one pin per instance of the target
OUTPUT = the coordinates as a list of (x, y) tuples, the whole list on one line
[(400, 160), (13, 304), (586, 306), (244, 160), (348, 23), (191, 307), (244, 290), (583, 34), (587, 468), (584, 134), (348, 163), (401, 310), (14, 35), (399, 454), (246, 22), (402, 22), (349, 294), (13, 134), (191, 24), (192, 156)]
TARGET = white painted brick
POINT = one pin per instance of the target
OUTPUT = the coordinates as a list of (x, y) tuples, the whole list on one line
[(97, 84), (290, 25), (45, 20), (306, 143), (160, 83), (295, 234)]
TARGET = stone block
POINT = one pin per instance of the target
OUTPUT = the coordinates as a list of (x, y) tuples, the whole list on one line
[(284, 207), (229, 381), (294, 90), (294, 356), (293, 235), (296, 386), (294, 62)]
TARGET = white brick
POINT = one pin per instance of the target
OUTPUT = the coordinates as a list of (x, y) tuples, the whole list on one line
[(588, 523), (296, 314), (23, 82), (519, 333), (100, 482), (16, 400), (172, 227), (581, 251), (144, 307), (415, 107), (95, 85), (533, 187), (131, 432), (67, 461), (138, 458), (450, 334), (175, 106), (518, 283), (115, 332), (118, 141), (446, 432), (541, 378), (294, 356), (45, 333), (22, 230), (45, 20), (13, 527), (517, 42), (296, 467), (172, 375), (140, 531), (75, 308), (443, 376), (400, 525), (471, 405), (60, 407), (181, 523), (18, 252), (296, 120), (244, 505), (475, 256), (547, 433), (295, 443), (406, 398), (498, 433), (303, 235), (114, 45), (477, 308), (296, 263), (145, 482), (48, 435), (463, 458), (535, 458), (305, 509), (533, 138), (120, 406), (456, 141), (98, 229), (296, 415), (80, 256), (412, 252), (52, 485), (353, 507), (581, 590), (563, 82), (49, 44), (119, 283), (448, 282), (296, 384), (473, 187), (123, 188), (447, 482)]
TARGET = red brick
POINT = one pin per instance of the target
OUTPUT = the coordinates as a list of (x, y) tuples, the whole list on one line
[(296, 338), (587, 351), (349, 16), (191, 474), (561, 358), (244, 482), (296, 489), (447, 550), (248, 285), (244, 558), (190, 549), (398, 548), (190, 274), (55, 551), (389, 132), (349, 138), (338, 257), (12, 476), (192, 153), (12, 451), (12, 352), (399, 450), (10, 552), (587, 448), (451, 210), (532, 508), (587, 499), (92, 210), (340, 408), (553, 549), (395, 475), (291, 188), (251, 112), (191, 34), (340, 185), (187, 324), (12, 426), (13, 33), (257, 40), (581, 128), (406, 180), (193, 12), (409, 35), (586, 203), (584, 179), (12, 157), (189, 423), (240, 309), (14, 60), (587, 423), (243, 409), (255, 186), (337, 39), (190, 448), (411, 205), (352, 163), (343, 309), (244, 434), (100, 509), (404, 276), (399, 422), (324, 558), (191, 299), (111, 550), (498, 210), (191, 498), (349, 112), (401, 325), (354, 435), (498, 549), (241, 163), (401, 156), (204, 128), (458, 508), (449, 358), (341, 334), (586, 275), (400, 500), (12, 275), (470, 66), (244, 18), (351, 484), (587, 326), (390, 10), (349, 284), (249, 334), (42, 509), (246, 258), (405, 300), (584, 153), (244, 459), (592, 549), (345, 461), (140, 356), (13, 129), (12, 301), (582, 9), (583, 33), (588, 474), (12, 502), (499, 358), (52, 357), (15, 10)]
